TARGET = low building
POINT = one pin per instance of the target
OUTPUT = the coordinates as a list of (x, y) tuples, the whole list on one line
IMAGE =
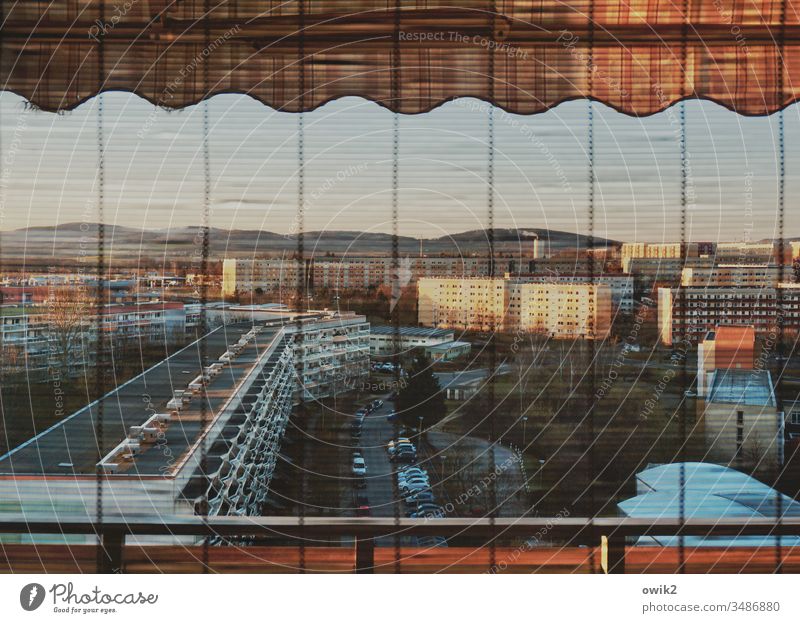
[(791, 409), (387, 340), (35, 337), (448, 351), (741, 420)]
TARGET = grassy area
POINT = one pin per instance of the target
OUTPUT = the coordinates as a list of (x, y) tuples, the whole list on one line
[(592, 442)]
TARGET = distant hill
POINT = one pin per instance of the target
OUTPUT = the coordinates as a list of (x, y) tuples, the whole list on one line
[(129, 243)]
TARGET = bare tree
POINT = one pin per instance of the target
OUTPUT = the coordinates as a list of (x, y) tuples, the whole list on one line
[(68, 314)]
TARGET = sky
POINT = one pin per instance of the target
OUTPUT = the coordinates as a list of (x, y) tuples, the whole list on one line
[(154, 168)]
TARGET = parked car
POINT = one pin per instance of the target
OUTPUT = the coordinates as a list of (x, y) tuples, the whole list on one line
[(377, 404), (424, 495), (414, 478), (359, 467), (428, 510), (404, 447), (363, 511), (404, 456), (392, 445), (416, 472), (415, 483), (411, 470)]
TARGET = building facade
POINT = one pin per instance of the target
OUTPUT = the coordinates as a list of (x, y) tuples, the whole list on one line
[(203, 443), (37, 337), (275, 275), (742, 424), (385, 341), (735, 276), (690, 313), (559, 310)]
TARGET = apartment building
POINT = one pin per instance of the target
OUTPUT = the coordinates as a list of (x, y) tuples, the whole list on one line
[(351, 273), (663, 270), (186, 434), (24, 338), (331, 351), (559, 310), (622, 287), (735, 275), (651, 250), (746, 252), (694, 311), (478, 303), (36, 337)]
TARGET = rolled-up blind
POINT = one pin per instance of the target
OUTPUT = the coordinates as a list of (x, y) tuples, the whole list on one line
[(641, 56)]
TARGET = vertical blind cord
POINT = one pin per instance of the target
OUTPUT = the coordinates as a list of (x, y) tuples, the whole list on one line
[(781, 257), (682, 297), (301, 278), (395, 85), (590, 445), (99, 371), (205, 228), (493, 348)]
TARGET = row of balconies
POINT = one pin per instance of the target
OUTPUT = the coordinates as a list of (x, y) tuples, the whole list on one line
[(241, 482)]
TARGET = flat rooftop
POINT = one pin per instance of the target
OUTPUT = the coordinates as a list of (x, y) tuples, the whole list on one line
[(70, 447), (440, 348), (745, 387), (411, 331)]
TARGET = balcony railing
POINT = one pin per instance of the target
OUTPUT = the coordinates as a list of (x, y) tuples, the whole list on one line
[(367, 545)]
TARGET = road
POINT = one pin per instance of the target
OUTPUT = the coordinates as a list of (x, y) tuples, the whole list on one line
[(469, 377), (510, 484), (380, 489), (376, 432)]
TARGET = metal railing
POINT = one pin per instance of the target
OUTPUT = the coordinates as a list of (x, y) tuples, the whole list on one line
[(609, 534)]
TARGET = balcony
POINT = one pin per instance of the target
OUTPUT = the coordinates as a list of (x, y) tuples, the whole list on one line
[(347, 545)]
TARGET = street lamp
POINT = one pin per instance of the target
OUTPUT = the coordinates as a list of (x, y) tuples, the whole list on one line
[(524, 436)]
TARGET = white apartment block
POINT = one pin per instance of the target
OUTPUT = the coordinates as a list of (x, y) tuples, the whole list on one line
[(622, 286), (331, 351), (558, 310), (36, 337), (245, 276)]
